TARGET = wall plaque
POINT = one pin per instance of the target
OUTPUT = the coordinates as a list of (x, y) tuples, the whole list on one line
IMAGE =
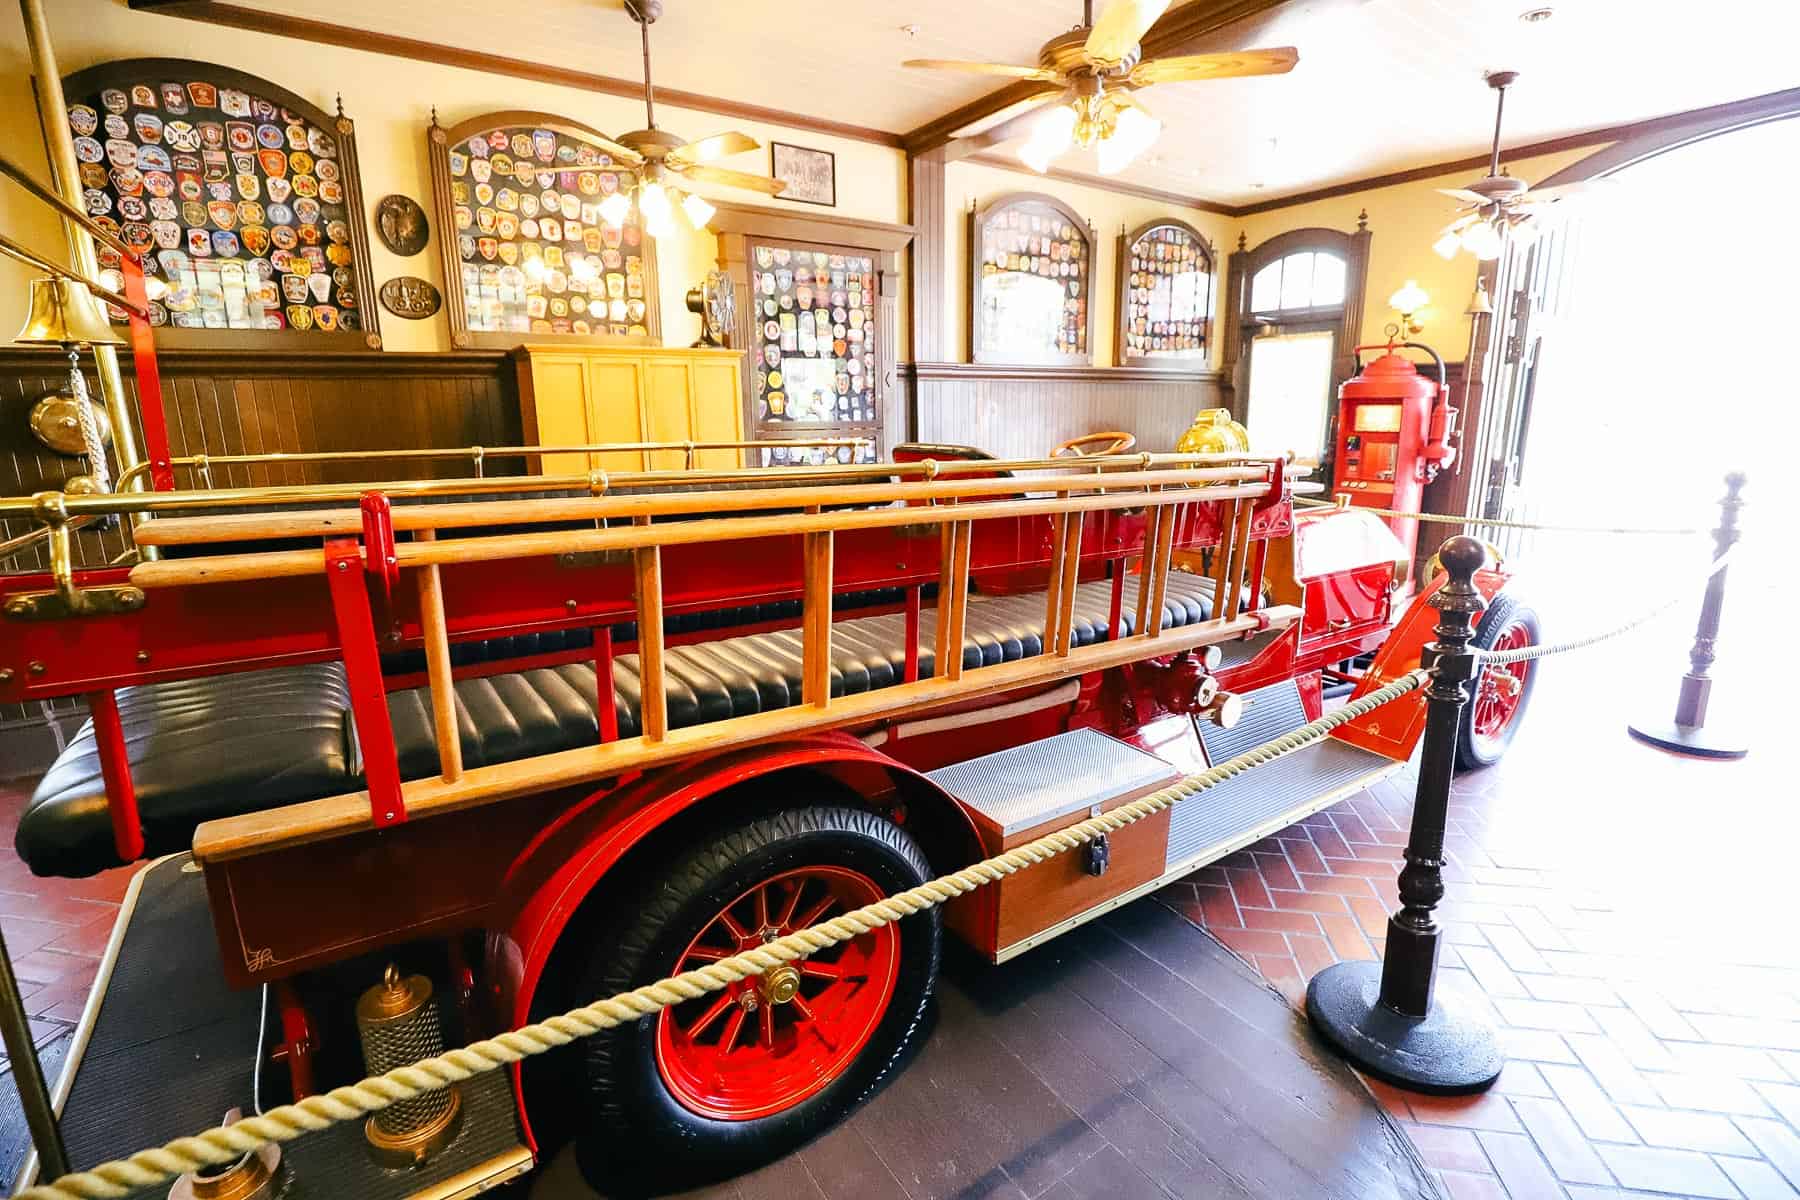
[(402, 225), (410, 297)]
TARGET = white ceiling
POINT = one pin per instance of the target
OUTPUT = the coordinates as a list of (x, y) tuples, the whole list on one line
[(1382, 85)]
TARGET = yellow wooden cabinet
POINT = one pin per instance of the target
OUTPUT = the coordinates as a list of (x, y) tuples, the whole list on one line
[(576, 396)]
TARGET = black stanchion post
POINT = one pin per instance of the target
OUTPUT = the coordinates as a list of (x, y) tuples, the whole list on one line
[(28, 1074), (1384, 1017), (1688, 733)]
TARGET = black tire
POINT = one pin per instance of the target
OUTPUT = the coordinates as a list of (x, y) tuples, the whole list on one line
[(1504, 614), (635, 1134)]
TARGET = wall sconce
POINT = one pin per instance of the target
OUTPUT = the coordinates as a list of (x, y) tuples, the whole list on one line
[(1409, 301)]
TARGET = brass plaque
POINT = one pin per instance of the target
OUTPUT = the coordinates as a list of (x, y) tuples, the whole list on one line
[(410, 297)]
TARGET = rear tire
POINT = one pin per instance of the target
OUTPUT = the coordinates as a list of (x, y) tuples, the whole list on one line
[(668, 1101), (1497, 696)]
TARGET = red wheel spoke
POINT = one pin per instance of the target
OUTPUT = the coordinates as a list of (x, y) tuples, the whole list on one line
[(724, 1002), (734, 1027), (815, 912), (732, 1063), (785, 921)]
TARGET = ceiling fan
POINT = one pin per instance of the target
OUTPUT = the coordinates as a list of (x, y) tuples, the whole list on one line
[(1094, 69), (658, 155), (1497, 205)]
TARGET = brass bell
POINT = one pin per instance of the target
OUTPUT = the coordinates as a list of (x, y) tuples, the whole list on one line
[(62, 315)]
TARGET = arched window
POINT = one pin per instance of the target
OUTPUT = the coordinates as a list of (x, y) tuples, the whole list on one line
[(1297, 300), (1307, 280)]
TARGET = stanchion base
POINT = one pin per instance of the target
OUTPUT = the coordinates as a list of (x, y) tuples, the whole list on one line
[(1703, 741), (1448, 1053)]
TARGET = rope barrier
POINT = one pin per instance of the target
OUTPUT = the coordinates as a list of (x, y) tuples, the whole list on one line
[(1441, 519), (1501, 658), (228, 1143)]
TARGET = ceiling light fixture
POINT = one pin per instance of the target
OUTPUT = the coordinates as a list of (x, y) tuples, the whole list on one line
[(1537, 16)]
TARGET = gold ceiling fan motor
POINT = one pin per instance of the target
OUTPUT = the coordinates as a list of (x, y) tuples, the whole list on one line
[(398, 1024)]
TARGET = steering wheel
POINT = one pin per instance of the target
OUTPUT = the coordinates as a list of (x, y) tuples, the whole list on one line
[(1112, 441)]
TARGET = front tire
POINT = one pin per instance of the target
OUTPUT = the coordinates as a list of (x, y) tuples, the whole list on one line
[(736, 1078), (1498, 696)]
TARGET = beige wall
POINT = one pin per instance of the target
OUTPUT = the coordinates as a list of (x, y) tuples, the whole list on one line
[(1405, 219), (970, 185), (390, 100)]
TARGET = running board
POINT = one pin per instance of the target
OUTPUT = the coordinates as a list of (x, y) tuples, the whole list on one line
[(165, 1047)]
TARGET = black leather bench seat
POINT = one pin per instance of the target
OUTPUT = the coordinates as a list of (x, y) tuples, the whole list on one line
[(202, 749)]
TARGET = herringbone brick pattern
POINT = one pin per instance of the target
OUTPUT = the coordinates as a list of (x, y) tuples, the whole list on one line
[(1626, 917)]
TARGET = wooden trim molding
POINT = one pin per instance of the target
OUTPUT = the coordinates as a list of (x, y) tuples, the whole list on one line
[(1101, 183), (1662, 136), (325, 33), (732, 217), (957, 372), (285, 364), (1716, 118)]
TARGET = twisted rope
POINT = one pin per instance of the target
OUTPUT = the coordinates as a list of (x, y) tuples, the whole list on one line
[(1441, 519), (228, 1143), (1501, 658)]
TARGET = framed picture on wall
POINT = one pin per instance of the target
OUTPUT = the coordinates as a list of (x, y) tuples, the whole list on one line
[(1031, 273), (810, 175), (527, 254), (1164, 297), (244, 196)]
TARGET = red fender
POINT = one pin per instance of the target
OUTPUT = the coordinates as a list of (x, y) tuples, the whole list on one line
[(1394, 729), (553, 875)]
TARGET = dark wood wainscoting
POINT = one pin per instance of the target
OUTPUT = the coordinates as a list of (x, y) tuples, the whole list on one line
[(255, 403), (1020, 412), (250, 403)]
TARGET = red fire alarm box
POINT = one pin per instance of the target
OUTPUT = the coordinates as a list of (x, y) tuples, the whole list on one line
[(1393, 434)]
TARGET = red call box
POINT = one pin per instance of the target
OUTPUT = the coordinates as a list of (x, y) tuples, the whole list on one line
[(1393, 435)]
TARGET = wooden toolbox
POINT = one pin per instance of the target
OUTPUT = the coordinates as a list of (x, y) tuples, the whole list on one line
[(1024, 792)]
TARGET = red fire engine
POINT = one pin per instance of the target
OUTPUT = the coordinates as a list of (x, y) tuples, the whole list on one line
[(556, 737)]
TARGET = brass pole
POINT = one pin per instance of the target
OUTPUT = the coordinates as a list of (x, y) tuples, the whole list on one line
[(66, 176)]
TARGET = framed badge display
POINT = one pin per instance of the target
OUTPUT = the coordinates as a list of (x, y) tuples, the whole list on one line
[(1031, 273), (817, 313), (1164, 297), (527, 255), (813, 354), (245, 195)]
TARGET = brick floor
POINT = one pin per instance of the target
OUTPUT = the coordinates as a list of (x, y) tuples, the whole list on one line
[(1626, 917)]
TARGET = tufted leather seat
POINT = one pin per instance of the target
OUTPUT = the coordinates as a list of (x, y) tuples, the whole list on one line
[(207, 748)]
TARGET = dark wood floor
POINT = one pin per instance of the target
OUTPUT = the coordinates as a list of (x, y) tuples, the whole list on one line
[(1135, 1057)]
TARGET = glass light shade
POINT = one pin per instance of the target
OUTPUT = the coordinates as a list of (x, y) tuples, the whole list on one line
[(1482, 240), (698, 211), (615, 208), (1447, 246), (1050, 137), (1410, 298), (1134, 131), (659, 225), (653, 203)]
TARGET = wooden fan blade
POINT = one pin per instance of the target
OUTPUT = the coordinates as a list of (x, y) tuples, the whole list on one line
[(1465, 195), (981, 68), (1119, 30), (1561, 191), (1019, 124), (707, 149), (621, 153), (736, 179), (1458, 225), (1277, 60)]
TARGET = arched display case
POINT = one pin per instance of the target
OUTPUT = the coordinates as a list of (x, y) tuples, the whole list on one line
[(245, 196), (1031, 275), (1163, 300), (527, 257)]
